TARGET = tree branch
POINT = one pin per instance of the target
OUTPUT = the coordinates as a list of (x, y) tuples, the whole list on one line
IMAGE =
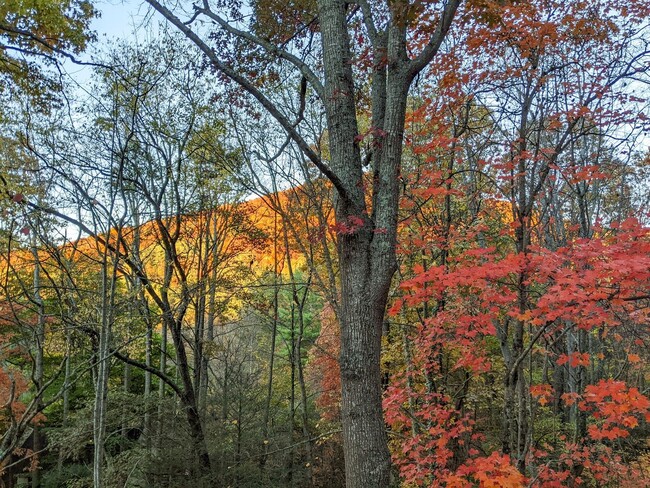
[(431, 49), (267, 45), (258, 95)]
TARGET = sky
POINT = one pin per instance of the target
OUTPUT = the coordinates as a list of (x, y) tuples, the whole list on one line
[(119, 18)]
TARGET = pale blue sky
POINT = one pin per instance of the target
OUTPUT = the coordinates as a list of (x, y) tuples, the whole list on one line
[(119, 18)]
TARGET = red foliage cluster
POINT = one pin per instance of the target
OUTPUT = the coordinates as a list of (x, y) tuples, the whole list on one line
[(596, 284)]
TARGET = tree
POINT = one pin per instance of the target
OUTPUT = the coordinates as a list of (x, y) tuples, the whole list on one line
[(369, 215), (35, 35), (551, 94), (488, 164), (151, 151)]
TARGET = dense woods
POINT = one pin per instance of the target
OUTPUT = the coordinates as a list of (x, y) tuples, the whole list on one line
[(325, 244)]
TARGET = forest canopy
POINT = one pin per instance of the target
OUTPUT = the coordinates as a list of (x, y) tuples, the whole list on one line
[(325, 244)]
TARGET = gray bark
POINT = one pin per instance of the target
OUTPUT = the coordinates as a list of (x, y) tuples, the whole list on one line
[(101, 385), (38, 359), (274, 330)]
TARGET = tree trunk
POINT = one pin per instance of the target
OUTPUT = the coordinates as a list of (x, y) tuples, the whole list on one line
[(209, 333), (66, 392), (161, 384), (143, 311), (101, 387), (39, 334), (274, 331), (367, 247), (189, 400), (126, 385), (367, 460)]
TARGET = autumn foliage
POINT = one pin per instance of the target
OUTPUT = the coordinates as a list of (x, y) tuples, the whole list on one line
[(509, 215)]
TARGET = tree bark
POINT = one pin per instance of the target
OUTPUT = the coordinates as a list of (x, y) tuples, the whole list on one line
[(274, 332), (367, 460), (39, 334), (101, 386)]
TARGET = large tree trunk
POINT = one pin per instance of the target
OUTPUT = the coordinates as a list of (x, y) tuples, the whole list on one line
[(367, 242), (366, 254), (367, 460)]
